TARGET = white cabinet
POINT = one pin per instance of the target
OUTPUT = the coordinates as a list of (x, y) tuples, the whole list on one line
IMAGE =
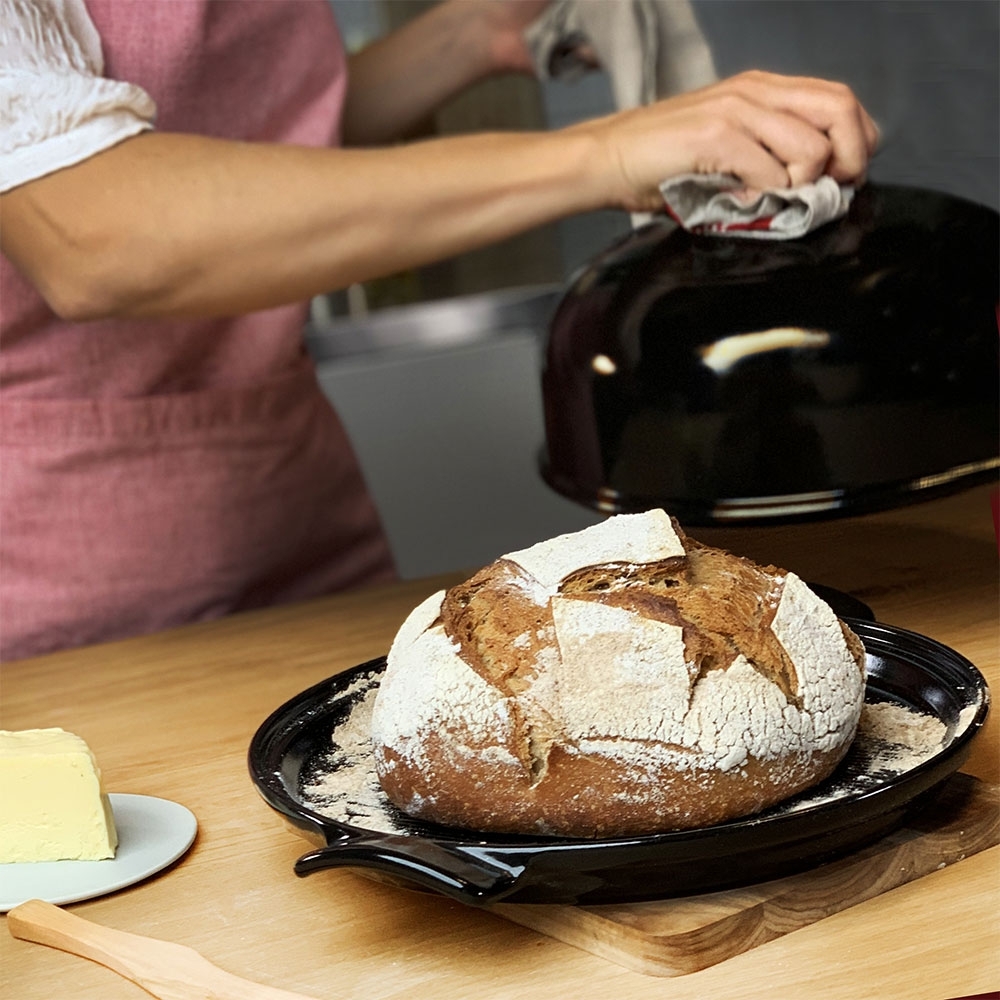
[(443, 404)]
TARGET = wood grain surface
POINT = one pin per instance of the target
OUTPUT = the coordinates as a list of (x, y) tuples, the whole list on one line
[(172, 715), (677, 936), (166, 970)]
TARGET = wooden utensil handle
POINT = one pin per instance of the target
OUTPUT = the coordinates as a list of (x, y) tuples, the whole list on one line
[(167, 970)]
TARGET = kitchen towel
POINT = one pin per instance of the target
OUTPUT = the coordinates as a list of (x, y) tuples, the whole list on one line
[(720, 204), (648, 48), (652, 49)]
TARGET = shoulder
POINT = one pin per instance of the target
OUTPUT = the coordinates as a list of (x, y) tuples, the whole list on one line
[(56, 34), (56, 107)]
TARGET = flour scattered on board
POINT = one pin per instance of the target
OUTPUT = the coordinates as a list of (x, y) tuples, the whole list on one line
[(891, 740), (897, 739), (341, 784)]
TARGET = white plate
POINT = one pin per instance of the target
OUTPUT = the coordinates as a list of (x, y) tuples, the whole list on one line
[(152, 833)]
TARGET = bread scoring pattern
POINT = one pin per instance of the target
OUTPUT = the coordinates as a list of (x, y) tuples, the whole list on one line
[(623, 679)]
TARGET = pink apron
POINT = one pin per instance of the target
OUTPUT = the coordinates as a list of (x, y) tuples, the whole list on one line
[(160, 472)]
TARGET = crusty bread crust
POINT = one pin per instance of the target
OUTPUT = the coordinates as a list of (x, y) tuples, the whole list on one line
[(620, 699)]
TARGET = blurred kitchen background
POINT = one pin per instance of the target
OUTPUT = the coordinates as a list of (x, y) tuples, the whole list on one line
[(435, 372)]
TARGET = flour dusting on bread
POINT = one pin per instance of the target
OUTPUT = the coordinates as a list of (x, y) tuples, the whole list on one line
[(622, 679), (628, 538)]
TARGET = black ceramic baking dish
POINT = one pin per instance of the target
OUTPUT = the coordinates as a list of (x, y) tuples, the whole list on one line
[(739, 381), (851, 809)]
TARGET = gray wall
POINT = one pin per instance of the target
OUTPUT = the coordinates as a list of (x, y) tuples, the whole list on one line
[(927, 70), (448, 437)]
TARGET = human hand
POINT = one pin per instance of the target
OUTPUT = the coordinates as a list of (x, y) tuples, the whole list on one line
[(504, 23), (768, 130)]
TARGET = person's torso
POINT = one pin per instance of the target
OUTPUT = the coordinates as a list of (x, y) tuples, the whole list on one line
[(162, 472), (253, 70)]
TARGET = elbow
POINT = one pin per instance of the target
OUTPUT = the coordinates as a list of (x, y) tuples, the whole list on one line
[(88, 268), (78, 300), (85, 284)]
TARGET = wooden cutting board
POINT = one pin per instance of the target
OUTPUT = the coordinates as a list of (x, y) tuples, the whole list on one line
[(677, 936)]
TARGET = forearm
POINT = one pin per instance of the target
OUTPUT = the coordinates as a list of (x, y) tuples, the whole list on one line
[(395, 82), (170, 225), (398, 80)]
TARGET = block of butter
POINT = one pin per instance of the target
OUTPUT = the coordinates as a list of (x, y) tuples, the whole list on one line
[(53, 806)]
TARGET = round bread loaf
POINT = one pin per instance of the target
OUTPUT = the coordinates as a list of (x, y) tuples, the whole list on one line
[(620, 680)]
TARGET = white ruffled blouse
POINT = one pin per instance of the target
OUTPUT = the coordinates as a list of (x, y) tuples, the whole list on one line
[(56, 108)]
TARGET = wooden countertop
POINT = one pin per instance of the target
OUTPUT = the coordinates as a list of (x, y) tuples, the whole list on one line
[(172, 714)]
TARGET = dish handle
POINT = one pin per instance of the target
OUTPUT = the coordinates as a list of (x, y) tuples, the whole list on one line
[(456, 871)]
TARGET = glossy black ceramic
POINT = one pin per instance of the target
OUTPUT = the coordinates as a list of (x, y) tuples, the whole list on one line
[(854, 807), (732, 380)]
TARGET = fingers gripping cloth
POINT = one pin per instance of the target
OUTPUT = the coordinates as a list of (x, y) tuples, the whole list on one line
[(652, 49), (720, 204)]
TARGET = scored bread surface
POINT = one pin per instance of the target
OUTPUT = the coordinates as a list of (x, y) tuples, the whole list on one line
[(620, 680)]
